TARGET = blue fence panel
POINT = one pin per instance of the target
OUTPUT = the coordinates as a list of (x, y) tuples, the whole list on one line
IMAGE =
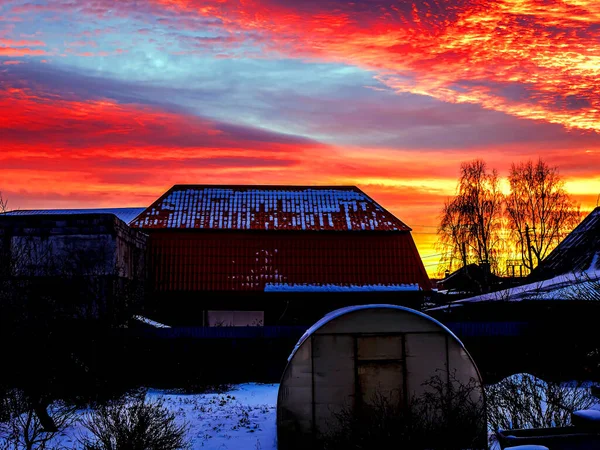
[(461, 329), (225, 332), (487, 329)]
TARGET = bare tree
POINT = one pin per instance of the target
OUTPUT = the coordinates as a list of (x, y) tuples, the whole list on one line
[(470, 225), (3, 204), (539, 210), (524, 401), (22, 429)]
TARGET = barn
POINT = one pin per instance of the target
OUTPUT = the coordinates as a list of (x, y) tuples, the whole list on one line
[(274, 255)]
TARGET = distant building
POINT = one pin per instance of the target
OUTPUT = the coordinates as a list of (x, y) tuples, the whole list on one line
[(577, 253), (547, 325), (570, 272), (253, 255), (470, 279), (124, 214), (89, 265)]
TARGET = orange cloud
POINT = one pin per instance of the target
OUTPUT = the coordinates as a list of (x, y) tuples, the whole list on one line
[(20, 51), (21, 43)]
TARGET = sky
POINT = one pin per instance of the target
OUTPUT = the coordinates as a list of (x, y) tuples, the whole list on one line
[(109, 103)]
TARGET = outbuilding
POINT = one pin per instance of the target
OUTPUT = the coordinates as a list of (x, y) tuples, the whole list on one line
[(246, 255), (355, 355)]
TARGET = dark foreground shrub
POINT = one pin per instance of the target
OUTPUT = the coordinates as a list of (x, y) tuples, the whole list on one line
[(451, 415), (24, 427), (524, 401), (134, 424)]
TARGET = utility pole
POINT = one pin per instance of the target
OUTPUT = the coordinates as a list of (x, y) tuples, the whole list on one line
[(464, 254), (529, 247)]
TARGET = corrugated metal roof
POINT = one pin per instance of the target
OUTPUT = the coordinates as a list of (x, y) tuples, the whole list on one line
[(125, 214), (576, 252), (583, 285), (340, 208)]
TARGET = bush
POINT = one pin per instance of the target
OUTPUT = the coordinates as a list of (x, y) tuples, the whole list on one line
[(21, 427), (134, 424), (524, 401), (449, 416)]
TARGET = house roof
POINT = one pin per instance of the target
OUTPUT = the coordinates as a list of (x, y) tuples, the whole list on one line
[(584, 285), (570, 272), (125, 214), (576, 252), (312, 208)]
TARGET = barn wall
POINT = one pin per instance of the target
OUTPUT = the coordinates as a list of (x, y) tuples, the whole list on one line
[(232, 261)]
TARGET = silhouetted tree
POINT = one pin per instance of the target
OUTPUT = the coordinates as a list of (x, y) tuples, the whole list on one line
[(539, 210), (471, 221)]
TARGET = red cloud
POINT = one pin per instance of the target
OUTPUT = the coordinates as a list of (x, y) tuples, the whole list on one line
[(528, 58)]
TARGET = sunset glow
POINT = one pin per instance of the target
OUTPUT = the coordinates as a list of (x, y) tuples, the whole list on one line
[(106, 103)]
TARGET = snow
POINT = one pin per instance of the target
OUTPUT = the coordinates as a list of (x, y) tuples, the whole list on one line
[(268, 208), (528, 447), (243, 418), (594, 263), (588, 415), (285, 287), (564, 287), (349, 309), (150, 322)]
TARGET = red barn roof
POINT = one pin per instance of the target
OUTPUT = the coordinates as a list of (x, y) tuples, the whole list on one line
[(316, 208)]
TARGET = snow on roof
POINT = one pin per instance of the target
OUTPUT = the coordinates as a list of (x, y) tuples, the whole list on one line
[(572, 286), (284, 287), (150, 322), (124, 214), (349, 309), (344, 208)]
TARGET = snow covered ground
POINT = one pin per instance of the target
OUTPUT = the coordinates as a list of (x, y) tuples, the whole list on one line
[(242, 418)]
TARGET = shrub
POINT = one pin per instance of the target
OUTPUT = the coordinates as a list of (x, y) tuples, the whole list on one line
[(524, 401), (21, 427), (134, 424), (449, 416)]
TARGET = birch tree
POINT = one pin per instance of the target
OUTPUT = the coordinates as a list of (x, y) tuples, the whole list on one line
[(539, 210), (470, 225)]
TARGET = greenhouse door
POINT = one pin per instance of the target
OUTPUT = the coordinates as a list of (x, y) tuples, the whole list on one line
[(380, 369)]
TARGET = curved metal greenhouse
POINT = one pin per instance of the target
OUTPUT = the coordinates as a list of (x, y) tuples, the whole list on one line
[(355, 356)]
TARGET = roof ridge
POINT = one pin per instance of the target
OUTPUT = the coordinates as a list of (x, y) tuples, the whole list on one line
[(246, 207), (266, 186)]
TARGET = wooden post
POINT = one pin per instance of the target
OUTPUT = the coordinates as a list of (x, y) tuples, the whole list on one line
[(529, 247)]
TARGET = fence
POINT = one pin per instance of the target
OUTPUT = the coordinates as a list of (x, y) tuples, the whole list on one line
[(461, 329)]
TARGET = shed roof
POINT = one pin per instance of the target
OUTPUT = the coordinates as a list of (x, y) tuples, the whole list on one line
[(576, 252), (312, 208), (584, 285), (125, 214)]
